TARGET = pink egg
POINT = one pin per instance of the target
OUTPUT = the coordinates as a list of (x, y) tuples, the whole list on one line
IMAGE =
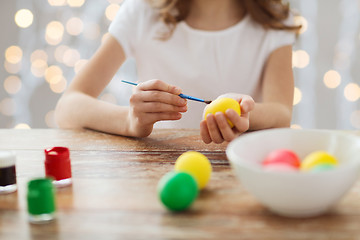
[(282, 156), (280, 167)]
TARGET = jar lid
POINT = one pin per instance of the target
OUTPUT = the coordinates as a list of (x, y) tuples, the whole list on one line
[(7, 159), (57, 153), (41, 196), (57, 163)]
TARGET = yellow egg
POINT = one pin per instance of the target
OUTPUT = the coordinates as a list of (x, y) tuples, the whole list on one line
[(221, 105), (317, 158), (195, 164)]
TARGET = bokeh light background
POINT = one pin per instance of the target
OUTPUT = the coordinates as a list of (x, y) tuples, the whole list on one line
[(44, 43)]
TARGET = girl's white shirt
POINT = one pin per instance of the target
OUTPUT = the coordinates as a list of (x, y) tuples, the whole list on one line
[(204, 64)]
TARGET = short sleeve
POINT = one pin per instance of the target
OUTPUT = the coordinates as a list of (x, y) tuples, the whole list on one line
[(280, 38), (127, 25)]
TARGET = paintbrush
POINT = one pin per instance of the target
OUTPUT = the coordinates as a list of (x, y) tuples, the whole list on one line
[(180, 95)]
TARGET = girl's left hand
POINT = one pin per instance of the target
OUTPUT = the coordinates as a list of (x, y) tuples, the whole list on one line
[(216, 128)]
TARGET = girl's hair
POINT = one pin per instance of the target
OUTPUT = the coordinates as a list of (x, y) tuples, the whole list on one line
[(268, 13)]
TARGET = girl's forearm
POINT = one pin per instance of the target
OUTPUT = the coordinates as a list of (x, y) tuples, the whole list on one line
[(270, 115), (78, 110)]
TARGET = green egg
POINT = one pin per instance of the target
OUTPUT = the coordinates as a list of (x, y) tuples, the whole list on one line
[(177, 190), (322, 167)]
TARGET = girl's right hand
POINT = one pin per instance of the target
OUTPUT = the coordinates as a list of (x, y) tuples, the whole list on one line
[(153, 101), (216, 128)]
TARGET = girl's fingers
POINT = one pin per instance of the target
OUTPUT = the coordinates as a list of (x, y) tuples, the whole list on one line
[(204, 132), (151, 118), (158, 85), (156, 91), (224, 127), (247, 104), (158, 107), (154, 101), (217, 129), (214, 131), (241, 123), (158, 96)]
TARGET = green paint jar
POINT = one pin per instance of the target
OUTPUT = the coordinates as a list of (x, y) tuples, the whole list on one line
[(41, 200)]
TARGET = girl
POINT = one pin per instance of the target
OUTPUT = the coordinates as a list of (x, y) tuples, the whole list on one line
[(204, 48)]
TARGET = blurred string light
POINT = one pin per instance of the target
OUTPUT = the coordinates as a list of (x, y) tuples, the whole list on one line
[(352, 92), (75, 3), (38, 67), (295, 126), (13, 58), (12, 84), (24, 18), (71, 3), (50, 119), (297, 96), (59, 53), (39, 54), (111, 11), (12, 68), (55, 80), (300, 20), (70, 57), (7, 107), (53, 74), (332, 79), (39, 63), (59, 85), (54, 32), (57, 3), (74, 26), (13, 54), (115, 1), (22, 126), (300, 59)]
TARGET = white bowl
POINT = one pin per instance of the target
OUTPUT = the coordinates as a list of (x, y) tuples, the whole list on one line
[(296, 194)]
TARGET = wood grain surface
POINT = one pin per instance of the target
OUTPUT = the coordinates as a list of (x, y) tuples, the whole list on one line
[(114, 196)]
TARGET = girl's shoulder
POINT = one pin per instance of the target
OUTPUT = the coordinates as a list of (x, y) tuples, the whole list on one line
[(137, 5), (139, 11), (134, 20), (266, 38), (135, 14), (256, 27)]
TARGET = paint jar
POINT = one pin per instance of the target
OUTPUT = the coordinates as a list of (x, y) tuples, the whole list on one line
[(41, 200), (58, 166), (7, 172)]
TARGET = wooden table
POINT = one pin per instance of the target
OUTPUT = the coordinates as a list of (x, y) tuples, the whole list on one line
[(114, 193)]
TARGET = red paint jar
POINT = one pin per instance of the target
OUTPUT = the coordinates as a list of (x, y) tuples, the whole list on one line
[(58, 166)]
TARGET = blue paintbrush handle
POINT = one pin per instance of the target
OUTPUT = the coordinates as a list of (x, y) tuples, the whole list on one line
[(180, 95), (191, 98), (131, 83)]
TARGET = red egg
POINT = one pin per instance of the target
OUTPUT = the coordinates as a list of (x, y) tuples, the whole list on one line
[(282, 156), (280, 167)]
